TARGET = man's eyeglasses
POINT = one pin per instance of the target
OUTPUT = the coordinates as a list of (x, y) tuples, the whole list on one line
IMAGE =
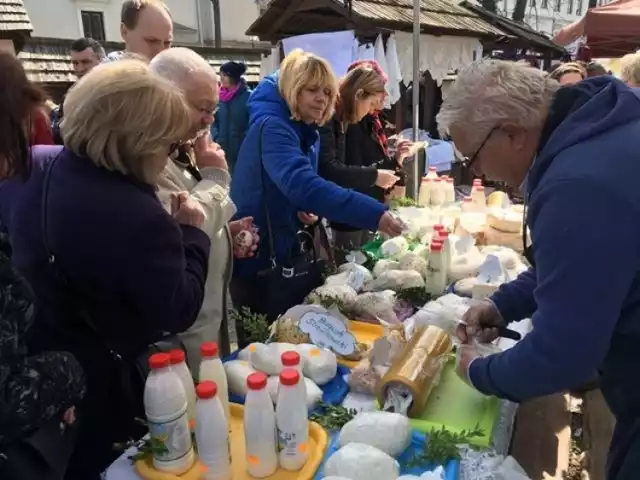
[(469, 161)]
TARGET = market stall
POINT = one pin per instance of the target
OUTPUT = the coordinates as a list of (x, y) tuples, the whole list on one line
[(610, 30), (369, 360)]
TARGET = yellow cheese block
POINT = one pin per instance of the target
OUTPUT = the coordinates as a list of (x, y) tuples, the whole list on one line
[(505, 221), (497, 199)]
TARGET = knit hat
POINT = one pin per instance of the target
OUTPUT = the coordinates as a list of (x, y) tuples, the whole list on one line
[(233, 70)]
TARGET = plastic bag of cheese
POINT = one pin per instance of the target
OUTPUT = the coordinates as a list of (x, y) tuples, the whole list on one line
[(386, 431), (266, 358), (319, 364), (384, 265), (359, 461), (314, 394), (413, 261), (237, 372), (395, 280), (342, 294), (359, 270), (245, 353), (373, 306)]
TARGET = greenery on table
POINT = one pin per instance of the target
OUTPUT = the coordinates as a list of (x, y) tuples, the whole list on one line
[(398, 202), (332, 417), (416, 296), (254, 325), (442, 446)]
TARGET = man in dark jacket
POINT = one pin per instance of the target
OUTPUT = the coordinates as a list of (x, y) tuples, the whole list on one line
[(574, 150), (86, 53)]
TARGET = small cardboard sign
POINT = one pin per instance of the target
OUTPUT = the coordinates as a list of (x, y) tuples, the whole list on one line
[(328, 332)]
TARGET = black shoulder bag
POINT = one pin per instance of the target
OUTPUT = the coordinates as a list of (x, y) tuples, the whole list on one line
[(286, 285), (131, 372)]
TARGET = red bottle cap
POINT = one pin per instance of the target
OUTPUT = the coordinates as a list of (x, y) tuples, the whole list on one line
[(209, 349), (159, 360), (467, 200), (176, 356), (443, 234), (480, 188), (426, 179), (449, 180), (436, 246), (290, 359), (289, 377), (207, 389), (437, 228), (437, 179), (257, 381), (432, 169), (477, 181)]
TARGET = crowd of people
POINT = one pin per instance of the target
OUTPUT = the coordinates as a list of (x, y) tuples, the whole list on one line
[(124, 212)]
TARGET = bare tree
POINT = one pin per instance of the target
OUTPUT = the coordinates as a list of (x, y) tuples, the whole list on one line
[(217, 25)]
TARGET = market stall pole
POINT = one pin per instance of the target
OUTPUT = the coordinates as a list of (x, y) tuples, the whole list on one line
[(416, 94)]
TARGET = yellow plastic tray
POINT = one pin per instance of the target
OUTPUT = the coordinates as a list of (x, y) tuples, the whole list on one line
[(318, 442), (364, 333)]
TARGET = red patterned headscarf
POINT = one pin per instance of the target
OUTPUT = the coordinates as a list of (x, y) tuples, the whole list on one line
[(378, 129)]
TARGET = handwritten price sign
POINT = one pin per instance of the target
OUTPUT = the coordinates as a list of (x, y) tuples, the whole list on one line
[(328, 332)]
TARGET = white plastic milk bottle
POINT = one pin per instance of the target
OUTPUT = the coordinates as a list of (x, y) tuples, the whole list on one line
[(292, 359), (260, 432), (436, 280), (179, 366), (211, 369), (165, 405), (424, 197), (292, 422), (212, 434)]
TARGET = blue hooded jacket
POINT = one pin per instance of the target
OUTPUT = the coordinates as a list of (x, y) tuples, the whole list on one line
[(584, 290), (289, 182)]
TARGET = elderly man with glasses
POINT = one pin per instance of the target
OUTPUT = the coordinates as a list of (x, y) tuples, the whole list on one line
[(574, 152)]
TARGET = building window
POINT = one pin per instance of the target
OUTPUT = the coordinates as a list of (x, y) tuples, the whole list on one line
[(557, 9), (544, 4), (569, 7), (579, 7), (93, 25)]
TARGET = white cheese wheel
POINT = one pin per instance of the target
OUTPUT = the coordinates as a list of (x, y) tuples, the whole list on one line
[(386, 431), (358, 461), (505, 221)]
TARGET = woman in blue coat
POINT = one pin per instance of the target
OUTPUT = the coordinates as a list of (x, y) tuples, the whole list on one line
[(232, 118), (277, 171)]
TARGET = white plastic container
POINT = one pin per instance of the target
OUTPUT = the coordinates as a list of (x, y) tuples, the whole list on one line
[(479, 198), (437, 193), (260, 434), (467, 205), (450, 191), (165, 405), (447, 250), (424, 197), (212, 434), (292, 359), (211, 369), (292, 422), (436, 280), (432, 173), (179, 366)]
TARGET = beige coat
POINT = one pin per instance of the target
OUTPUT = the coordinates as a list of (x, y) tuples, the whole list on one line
[(213, 195)]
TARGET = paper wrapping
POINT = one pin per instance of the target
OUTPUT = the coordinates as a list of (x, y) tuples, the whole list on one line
[(418, 367)]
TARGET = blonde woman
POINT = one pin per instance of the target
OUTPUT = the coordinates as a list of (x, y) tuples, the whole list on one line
[(630, 69), (346, 158), (276, 178), (132, 268)]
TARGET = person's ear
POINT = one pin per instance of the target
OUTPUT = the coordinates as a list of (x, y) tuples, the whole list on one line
[(124, 31), (516, 134)]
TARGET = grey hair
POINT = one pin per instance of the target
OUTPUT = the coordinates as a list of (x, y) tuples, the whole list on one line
[(177, 64), (489, 92), (630, 69)]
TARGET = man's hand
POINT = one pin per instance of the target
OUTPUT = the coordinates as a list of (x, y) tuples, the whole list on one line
[(481, 321), (307, 218), (390, 225), (465, 354), (208, 153), (386, 179)]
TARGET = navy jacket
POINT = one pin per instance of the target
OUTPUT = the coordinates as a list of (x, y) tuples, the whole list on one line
[(291, 183), (231, 123), (584, 292)]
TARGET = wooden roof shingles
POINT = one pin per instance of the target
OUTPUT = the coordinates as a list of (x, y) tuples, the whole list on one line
[(436, 17), (48, 60), (14, 18)]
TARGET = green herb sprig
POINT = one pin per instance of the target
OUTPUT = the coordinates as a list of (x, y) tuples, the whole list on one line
[(416, 296), (332, 417), (441, 446), (398, 202), (254, 325)]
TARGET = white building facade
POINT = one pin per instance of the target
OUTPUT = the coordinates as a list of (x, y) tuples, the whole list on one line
[(549, 16)]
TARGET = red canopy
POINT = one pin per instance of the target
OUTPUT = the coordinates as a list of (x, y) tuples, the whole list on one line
[(611, 30)]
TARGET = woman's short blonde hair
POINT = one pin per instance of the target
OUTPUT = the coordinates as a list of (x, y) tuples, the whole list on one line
[(630, 69), (569, 67), (302, 70), (124, 118), (360, 83)]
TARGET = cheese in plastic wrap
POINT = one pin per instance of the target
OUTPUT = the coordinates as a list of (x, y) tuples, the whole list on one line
[(417, 370)]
